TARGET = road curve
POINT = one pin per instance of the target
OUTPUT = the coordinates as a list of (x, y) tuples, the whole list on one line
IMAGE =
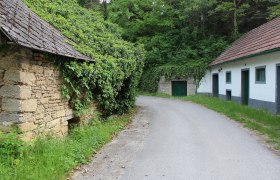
[(187, 141)]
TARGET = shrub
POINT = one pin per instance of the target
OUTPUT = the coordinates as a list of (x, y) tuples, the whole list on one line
[(10, 145)]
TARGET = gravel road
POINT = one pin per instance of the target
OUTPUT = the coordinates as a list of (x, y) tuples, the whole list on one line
[(176, 140)]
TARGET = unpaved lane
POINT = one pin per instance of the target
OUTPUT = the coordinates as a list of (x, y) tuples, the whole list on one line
[(113, 159), (187, 141)]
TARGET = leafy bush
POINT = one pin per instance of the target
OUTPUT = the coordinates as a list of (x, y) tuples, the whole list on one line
[(54, 158), (113, 78), (10, 145)]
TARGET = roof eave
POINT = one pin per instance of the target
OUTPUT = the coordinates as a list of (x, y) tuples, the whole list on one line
[(248, 56), (7, 35), (12, 41)]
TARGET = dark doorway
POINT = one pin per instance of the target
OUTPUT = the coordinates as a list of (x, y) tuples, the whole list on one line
[(74, 122), (179, 88), (278, 88), (245, 87), (228, 95), (215, 85)]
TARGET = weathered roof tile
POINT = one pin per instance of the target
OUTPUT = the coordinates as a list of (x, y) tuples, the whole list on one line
[(27, 29), (263, 38)]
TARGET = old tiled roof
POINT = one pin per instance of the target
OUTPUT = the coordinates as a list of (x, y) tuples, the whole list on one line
[(261, 39), (24, 27)]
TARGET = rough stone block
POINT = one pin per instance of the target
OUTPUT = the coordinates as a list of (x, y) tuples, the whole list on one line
[(40, 109), (38, 95), (60, 113), (15, 91), (27, 117), (8, 63), (29, 105), (19, 77), (37, 69), (44, 100), (27, 126), (48, 119), (5, 117), (15, 105), (53, 123), (40, 83), (11, 105), (56, 96), (48, 72), (56, 129)]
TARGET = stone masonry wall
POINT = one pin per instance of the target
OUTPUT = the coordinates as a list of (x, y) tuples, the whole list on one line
[(30, 94), (191, 87), (165, 86)]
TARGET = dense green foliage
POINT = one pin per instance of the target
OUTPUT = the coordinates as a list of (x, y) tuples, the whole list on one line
[(259, 120), (50, 158), (112, 80), (189, 33), (10, 145), (190, 69)]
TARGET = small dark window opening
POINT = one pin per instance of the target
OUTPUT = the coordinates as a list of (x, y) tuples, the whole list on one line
[(3, 39), (74, 122), (260, 75), (228, 95), (228, 77)]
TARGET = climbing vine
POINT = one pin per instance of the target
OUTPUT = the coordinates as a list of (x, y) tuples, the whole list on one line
[(195, 70), (112, 79)]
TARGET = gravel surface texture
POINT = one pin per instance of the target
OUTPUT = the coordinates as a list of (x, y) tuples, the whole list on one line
[(176, 140)]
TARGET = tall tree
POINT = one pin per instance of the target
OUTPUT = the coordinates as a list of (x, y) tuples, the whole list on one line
[(187, 33)]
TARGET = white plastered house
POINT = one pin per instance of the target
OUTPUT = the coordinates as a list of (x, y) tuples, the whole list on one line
[(248, 72)]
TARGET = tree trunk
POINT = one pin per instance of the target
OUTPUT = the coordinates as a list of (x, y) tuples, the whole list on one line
[(235, 23), (202, 23)]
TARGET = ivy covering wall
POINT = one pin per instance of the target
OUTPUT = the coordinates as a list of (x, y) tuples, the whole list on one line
[(112, 80)]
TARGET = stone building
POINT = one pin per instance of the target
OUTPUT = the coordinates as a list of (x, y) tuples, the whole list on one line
[(30, 85), (177, 86)]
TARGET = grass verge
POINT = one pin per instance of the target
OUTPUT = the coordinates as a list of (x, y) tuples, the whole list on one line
[(52, 158), (261, 121)]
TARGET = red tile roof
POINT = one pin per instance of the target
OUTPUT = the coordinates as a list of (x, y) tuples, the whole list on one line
[(24, 27), (261, 39)]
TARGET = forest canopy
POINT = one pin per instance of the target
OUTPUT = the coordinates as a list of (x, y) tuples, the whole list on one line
[(181, 37)]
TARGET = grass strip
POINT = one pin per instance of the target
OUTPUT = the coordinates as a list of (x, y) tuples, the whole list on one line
[(53, 158)]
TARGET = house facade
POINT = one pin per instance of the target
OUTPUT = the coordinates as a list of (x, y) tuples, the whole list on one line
[(30, 84), (248, 72)]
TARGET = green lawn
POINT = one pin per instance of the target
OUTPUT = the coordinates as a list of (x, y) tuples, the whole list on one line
[(263, 122), (51, 158)]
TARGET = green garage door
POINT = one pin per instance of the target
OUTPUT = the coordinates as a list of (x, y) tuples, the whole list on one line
[(179, 88)]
